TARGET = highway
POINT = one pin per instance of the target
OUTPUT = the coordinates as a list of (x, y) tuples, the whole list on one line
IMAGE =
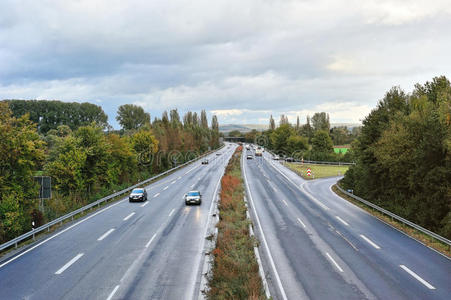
[(315, 245), (150, 250)]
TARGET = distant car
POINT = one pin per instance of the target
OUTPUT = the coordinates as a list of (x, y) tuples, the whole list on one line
[(193, 197), (205, 162), (289, 159), (218, 153), (250, 157), (138, 195), (276, 157)]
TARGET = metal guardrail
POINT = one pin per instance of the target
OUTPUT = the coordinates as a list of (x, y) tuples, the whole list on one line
[(47, 226), (398, 218)]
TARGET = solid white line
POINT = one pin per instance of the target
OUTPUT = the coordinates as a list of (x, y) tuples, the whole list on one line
[(334, 262), (105, 234), (61, 232), (302, 223), (341, 220), (69, 263), (427, 284), (145, 203), (129, 216), (285, 202), (150, 241), (370, 241), (112, 293), (172, 211), (156, 195), (165, 188), (271, 260), (174, 182)]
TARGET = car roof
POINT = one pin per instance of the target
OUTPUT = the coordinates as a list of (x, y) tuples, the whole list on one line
[(194, 192)]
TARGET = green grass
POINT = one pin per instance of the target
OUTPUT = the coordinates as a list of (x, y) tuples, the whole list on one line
[(318, 171)]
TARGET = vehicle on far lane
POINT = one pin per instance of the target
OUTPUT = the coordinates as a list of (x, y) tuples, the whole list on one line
[(138, 195), (205, 162), (193, 197), (250, 156), (276, 157)]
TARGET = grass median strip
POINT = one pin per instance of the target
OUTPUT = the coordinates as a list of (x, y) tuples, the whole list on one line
[(317, 171), (235, 273)]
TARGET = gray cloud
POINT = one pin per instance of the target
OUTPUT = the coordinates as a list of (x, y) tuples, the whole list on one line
[(256, 57)]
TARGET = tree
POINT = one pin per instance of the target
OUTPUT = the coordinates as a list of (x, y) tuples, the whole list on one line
[(272, 124), (297, 144), (175, 118), (320, 121), (280, 136), (322, 146), (132, 117), (145, 145), (298, 124), (203, 119), (283, 120), (235, 133)]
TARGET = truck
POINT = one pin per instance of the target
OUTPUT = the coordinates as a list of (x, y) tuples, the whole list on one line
[(259, 151)]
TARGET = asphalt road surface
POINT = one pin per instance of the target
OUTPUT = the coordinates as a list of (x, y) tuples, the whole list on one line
[(315, 245), (150, 250)]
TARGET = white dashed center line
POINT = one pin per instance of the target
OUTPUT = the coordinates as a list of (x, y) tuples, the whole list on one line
[(370, 241), (145, 203), (334, 262), (156, 195), (105, 234), (180, 177), (112, 293), (129, 216), (341, 220), (302, 223), (172, 211), (150, 241), (166, 188), (414, 275), (285, 202), (174, 182), (69, 263)]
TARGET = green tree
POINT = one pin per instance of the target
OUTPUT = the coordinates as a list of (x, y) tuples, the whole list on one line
[(280, 136), (322, 146), (320, 121), (272, 124), (132, 117), (297, 145)]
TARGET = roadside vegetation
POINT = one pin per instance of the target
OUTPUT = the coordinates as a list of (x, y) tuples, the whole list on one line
[(235, 273), (403, 155), (318, 171), (73, 144)]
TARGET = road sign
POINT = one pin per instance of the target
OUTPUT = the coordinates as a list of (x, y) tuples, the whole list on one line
[(309, 172)]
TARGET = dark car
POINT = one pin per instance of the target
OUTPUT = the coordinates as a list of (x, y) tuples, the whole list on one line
[(193, 197), (205, 162), (249, 156), (289, 159), (138, 195)]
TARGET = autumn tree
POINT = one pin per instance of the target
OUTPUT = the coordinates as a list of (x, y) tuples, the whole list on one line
[(132, 117)]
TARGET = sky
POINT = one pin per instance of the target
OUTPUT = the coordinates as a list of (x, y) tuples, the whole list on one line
[(241, 60)]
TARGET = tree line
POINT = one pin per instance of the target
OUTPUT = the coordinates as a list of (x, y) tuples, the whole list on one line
[(403, 155), (313, 140), (85, 161)]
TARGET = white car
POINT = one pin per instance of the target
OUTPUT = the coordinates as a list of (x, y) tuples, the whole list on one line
[(193, 197), (276, 157)]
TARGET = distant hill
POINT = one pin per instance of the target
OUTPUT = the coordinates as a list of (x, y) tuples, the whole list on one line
[(260, 127)]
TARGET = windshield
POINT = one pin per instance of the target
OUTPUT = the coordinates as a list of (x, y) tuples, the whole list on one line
[(193, 194), (138, 191)]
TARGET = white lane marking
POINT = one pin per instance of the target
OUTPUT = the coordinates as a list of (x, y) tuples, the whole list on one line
[(166, 188), (129, 216), (427, 284), (174, 182), (113, 292), (189, 171), (145, 203), (150, 241), (271, 260), (180, 177), (105, 234), (61, 232), (370, 241), (302, 223), (172, 211), (193, 185), (341, 220), (334, 262), (69, 263), (285, 202), (301, 189), (156, 195)]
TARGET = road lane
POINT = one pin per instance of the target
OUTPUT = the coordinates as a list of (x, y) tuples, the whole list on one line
[(150, 234)]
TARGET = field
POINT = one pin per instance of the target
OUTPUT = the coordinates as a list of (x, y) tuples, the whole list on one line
[(318, 171)]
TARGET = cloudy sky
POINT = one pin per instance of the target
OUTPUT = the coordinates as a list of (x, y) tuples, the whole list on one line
[(242, 60)]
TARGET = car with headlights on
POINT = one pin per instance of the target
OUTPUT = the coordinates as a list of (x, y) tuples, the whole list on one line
[(205, 162), (193, 197), (138, 195)]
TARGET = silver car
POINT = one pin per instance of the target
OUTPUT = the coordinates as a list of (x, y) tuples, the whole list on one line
[(193, 197)]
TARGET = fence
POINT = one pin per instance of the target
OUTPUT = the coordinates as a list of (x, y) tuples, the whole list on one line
[(398, 218), (60, 220)]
